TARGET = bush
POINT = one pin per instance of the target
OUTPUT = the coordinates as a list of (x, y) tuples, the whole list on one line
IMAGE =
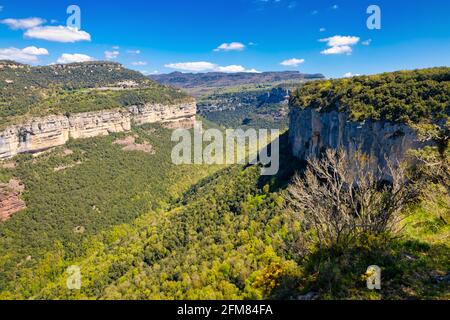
[(343, 199)]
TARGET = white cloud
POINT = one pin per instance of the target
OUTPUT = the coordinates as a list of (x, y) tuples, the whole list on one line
[(139, 63), (147, 73), (350, 75), (322, 29), (71, 58), (233, 46), (340, 44), (340, 41), (58, 34), (367, 42), (28, 23), (203, 66), (234, 69), (34, 51), (192, 66), (26, 55), (338, 50), (134, 51), (111, 55), (116, 48), (294, 62)]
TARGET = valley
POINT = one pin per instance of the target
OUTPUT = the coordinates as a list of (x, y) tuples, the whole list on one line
[(87, 180), (242, 99)]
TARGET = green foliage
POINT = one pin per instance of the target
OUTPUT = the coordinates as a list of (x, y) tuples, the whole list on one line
[(232, 237), (96, 187), (27, 91), (405, 96), (257, 106)]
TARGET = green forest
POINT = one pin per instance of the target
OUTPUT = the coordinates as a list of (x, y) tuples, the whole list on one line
[(404, 96), (27, 91), (139, 227), (93, 187), (234, 235)]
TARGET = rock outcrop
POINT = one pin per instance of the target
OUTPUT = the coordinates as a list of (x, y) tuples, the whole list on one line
[(312, 132), (44, 133)]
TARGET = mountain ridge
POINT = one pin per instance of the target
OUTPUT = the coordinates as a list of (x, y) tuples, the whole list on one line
[(218, 79)]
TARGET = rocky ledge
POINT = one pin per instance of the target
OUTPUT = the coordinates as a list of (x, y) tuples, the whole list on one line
[(44, 133), (311, 132)]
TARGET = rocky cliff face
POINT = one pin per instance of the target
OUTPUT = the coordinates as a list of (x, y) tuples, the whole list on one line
[(44, 133), (312, 132)]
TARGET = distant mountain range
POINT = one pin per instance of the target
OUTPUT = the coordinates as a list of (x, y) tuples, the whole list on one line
[(217, 79)]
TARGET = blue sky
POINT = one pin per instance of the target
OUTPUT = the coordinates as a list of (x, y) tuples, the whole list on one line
[(226, 35)]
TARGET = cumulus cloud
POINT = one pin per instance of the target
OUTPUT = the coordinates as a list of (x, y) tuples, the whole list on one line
[(340, 44), (367, 42), (349, 75), (34, 51), (203, 66), (294, 62), (338, 50), (340, 41), (139, 63), (111, 55), (28, 23), (235, 68), (26, 55), (75, 57), (233, 46), (58, 34), (322, 29)]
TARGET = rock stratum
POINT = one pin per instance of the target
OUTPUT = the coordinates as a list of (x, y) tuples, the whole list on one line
[(312, 132), (47, 132), (373, 115)]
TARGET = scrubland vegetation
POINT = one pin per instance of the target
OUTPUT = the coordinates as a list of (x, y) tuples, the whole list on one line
[(404, 96)]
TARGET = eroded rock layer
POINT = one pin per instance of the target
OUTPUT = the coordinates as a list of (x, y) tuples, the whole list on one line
[(313, 132), (52, 131)]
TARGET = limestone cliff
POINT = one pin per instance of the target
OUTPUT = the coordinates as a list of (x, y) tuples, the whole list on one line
[(312, 132), (44, 133)]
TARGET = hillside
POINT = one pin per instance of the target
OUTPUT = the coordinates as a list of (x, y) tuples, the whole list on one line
[(255, 106), (256, 100), (404, 96), (216, 79), (142, 228), (234, 236), (27, 91), (84, 188)]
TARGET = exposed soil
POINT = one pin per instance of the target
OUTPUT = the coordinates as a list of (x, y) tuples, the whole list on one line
[(62, 168), (8, 165), (10, 202), (180, 124), (67, 152), (129, 144)]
